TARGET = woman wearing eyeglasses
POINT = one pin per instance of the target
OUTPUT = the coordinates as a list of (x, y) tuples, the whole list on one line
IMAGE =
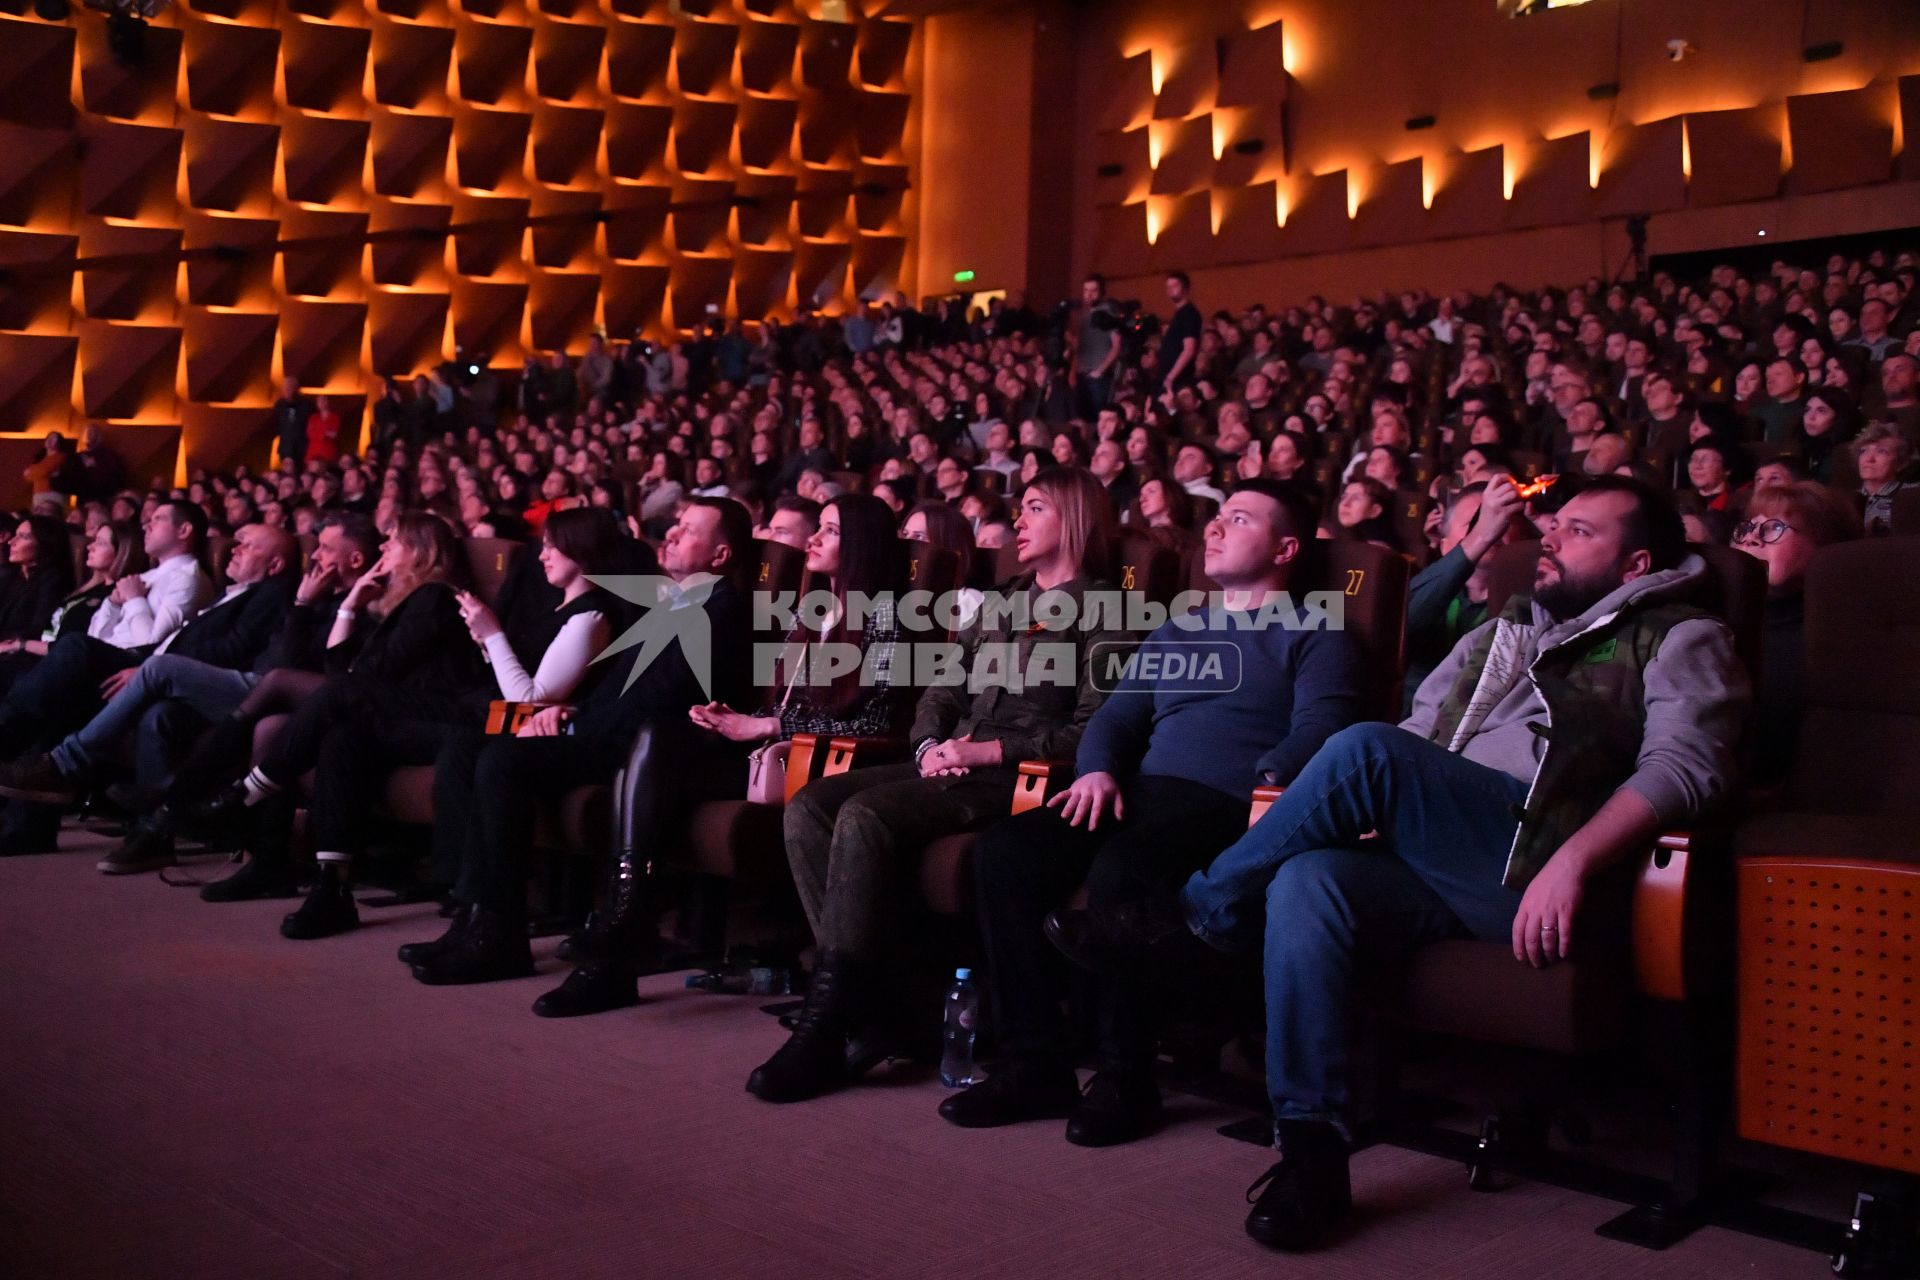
[(1785, 526)]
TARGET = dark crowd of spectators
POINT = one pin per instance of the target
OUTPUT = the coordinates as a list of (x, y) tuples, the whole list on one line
[(209, 659)]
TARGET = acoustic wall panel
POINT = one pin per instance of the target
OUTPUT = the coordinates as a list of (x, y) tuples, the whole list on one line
[(339, 189), (1842, 139)]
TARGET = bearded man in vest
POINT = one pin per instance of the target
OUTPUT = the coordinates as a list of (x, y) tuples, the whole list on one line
[(1553, 742)]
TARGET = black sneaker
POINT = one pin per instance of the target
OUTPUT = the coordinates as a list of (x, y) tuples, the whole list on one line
[(36, 779), (1116, 1107), (145, 850), (492, 949), (1308, 1194), (328, 910)]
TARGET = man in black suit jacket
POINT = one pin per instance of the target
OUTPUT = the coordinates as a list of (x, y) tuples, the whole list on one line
[(487, 792)]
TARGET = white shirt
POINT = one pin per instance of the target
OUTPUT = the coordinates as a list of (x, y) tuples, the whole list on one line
[(176, 590), (562, 666), (1201, 489)]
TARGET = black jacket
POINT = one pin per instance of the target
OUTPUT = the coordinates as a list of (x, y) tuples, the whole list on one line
[(27, 604), (611, 714), (423, 643), (234, 632)]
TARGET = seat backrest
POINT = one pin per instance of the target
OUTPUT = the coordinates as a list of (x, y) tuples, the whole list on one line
[(1528, 464), (1006, 562), (1906, 512), (1372, 582), (488, 560), (1859, 748), (1144, 564), (219, 547), (934, 570), (778, 568), (1410, 510)]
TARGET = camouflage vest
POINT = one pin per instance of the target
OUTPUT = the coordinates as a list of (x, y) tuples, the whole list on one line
[(1594, 689)]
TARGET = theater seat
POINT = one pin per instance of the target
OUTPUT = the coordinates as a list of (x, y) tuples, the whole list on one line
[(1478, 991), (1825, 888)]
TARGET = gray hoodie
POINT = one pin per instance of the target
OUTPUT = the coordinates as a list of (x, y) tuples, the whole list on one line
[(1697, 698)]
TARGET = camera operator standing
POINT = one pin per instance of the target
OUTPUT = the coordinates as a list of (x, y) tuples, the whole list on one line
[(1096, 347)]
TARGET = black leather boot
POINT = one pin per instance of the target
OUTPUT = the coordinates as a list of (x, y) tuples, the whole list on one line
[(493, 949), (813, 1061), (328, 910), (1308, 1194), (415, 952), (618, 938)]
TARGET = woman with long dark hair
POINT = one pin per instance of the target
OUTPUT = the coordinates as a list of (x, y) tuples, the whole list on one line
[(40, 557)]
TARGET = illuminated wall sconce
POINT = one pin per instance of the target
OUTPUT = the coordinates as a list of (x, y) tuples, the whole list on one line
[(1418, 123), (1822, 52)]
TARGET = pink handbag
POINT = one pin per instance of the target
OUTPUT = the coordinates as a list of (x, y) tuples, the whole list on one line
[(767, 774)]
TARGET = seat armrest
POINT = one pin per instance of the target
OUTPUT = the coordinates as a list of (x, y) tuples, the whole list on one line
[(1659, 917), (506, 718), (837, 756), (1035, 777), (1263, 798)]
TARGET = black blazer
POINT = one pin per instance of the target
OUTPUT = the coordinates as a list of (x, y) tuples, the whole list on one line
[(235, 632)]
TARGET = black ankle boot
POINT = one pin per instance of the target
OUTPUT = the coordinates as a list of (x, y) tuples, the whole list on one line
[(328, 909), (813, 1061), (597, 986), (1308, 1194), (415, 952), (493, 948)]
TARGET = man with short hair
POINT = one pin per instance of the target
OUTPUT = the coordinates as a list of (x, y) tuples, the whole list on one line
[(1096, 346), (1872, 333), (1448, 598), (1164, 775), (1607, 454), (793, 521), (1779, 415), (1193, 469), (1109, 467), (1898, 403), (1552, 743), (950, 479), (1180, 342)]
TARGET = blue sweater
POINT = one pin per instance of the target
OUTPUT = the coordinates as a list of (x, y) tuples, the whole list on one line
[(1178, 713)]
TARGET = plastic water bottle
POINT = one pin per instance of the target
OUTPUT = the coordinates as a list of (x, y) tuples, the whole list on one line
[(963, 1012)]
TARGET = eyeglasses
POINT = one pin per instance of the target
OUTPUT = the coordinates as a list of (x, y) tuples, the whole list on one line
[(1765, 532)]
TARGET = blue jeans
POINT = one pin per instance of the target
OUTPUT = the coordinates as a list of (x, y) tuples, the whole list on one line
[(1444, 826), (210, 691)]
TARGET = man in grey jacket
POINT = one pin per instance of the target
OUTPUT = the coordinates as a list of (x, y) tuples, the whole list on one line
[(1553, 742)]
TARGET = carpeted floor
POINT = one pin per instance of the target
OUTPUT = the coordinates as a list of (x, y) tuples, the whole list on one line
[(184, 1094)]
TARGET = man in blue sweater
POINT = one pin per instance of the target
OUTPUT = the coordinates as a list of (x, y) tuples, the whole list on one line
[(1165, 773)]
